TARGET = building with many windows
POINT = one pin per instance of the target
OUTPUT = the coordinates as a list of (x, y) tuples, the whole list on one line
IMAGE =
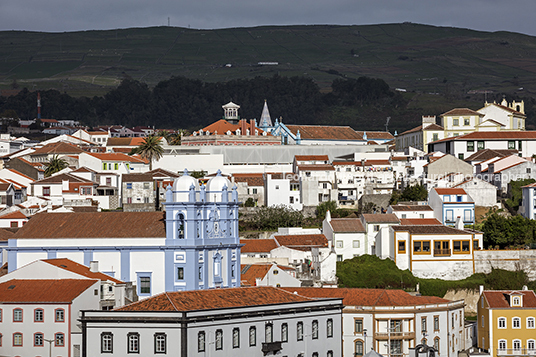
[(38, 317), (506, 322), (193, 245), (391, 322), (255, 321)]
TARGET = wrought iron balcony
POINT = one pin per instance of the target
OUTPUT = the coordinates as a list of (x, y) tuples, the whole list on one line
[(271, 347)]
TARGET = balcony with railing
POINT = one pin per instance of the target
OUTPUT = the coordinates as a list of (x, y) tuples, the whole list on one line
[(441, 252), (394, 335), (271, 347), (516, 352)]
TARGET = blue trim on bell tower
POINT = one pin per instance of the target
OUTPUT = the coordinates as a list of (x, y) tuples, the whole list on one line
[(202, 233)]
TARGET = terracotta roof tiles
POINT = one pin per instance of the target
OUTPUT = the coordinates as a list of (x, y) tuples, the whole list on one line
[(462, 111), (368, 297), (94, 225), (317, 167), (302, 241), (500, 298), (258, 245), (57, 148), (347, 225), (311, 157), (450, 191), (430, 229), (381, 218), (80, 269), (43, 290), (411, 208), (215, 299), (419, 221), (324, 132)]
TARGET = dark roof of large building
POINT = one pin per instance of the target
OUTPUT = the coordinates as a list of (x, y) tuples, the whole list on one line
[(94, 225), (430, 229), (486, 154), (43, 290), (368, 297), (57, 148), (195, 300)]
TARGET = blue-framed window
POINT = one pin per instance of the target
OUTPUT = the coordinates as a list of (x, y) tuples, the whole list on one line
[(467, 215), (449, 215), (144, 283), (129, 185)]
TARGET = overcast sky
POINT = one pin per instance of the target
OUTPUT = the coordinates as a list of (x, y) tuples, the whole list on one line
[(74, 15)]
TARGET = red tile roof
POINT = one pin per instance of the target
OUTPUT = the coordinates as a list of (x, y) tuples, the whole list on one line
[(462, 111), (450, 191), (14, 215), (215, 299), (94, 225), (486, 154), (5, 234), (317, 167), (419, 221), (80, 269), (380, 218), (431, 229), (368, 297), (311, 157), (302, 241), (411, 208), (347, 225), (258, 245), (57, 148), (499, 298), (43, 290), (324, 132), (375, 135)]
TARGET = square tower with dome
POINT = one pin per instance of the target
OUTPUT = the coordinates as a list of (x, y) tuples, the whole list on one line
[(202, 223)]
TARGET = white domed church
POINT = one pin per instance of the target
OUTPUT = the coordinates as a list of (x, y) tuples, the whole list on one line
[(193, 245)]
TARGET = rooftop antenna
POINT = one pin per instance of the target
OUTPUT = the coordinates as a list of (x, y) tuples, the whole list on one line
[(387, 124)]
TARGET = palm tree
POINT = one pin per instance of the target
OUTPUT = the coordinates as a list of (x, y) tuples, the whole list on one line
[(151, 149), (54, 165)]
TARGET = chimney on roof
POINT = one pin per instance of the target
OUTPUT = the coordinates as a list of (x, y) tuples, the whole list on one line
[(428, 120), (459, 223), (94, 266), (481, 289), (525, 287), (257, 281), (243, 126)]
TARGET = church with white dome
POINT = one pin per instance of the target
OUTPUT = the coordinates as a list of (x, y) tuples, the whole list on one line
[(193, 245)]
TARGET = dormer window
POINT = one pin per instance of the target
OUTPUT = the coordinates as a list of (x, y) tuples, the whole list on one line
[(516, 300)]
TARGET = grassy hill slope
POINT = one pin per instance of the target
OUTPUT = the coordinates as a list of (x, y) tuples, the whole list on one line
[(428, 59)]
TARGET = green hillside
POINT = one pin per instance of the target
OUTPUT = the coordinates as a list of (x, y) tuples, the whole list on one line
[(428, 59)]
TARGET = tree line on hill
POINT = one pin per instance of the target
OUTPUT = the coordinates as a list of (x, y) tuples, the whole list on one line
[(190, 104)]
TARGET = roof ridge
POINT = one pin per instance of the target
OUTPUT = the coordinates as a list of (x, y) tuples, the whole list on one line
[(379, 296), (171, 302)]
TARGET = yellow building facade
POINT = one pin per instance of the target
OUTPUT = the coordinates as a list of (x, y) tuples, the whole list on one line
[(506, 322)]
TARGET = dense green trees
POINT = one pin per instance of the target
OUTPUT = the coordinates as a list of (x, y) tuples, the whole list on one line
[(503, 232), (410, 193), (186, 103)]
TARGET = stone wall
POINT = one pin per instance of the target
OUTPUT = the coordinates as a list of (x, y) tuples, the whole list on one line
[(507, 260)]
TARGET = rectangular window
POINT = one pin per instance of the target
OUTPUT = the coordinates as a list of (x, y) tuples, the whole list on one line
[(449, 215), (455, 122), (180, 273), (511, 145), (219, 340), (329, 328), (108, 181), (38, 339), (339, 257), (358, 325), (355, 244), (402, 246), (59, 339), (38, 315), (86, 191), (201, 341), (468, 215), (284, 332), (423, 324), (104, 166), (339, 244), (299, 331), (252, 336), (435, 137), (59, 315), (466, 121), (236, 338), (461, 156), (144, 283), (17, 315), (436, 323), (315, 329), (376, 228), (129, 185), (116, 166), (421, 247), (480, 145), (133, 342), (160, 342), (146, 185), (461, 246), (17, 339), (46, 191), (14, 224)]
